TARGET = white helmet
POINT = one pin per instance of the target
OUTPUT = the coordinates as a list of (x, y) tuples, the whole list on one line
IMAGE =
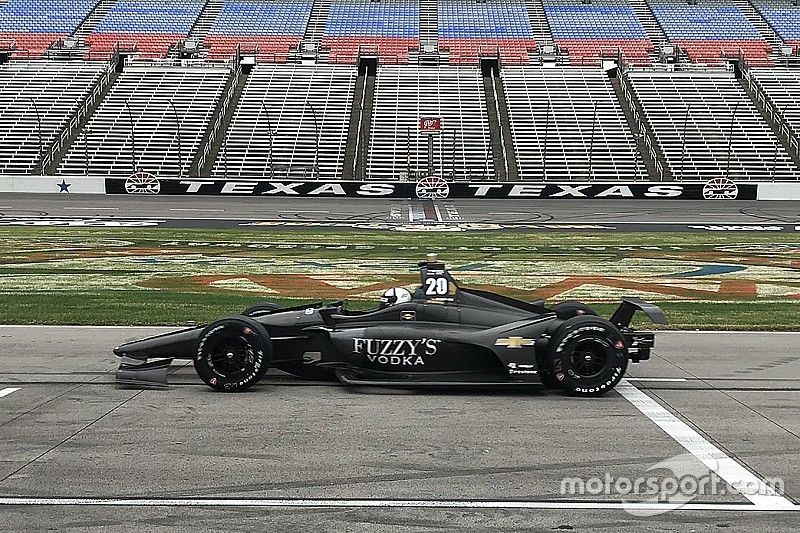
[(395, 295)]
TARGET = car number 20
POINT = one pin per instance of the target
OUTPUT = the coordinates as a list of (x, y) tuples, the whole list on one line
[(436, 286)]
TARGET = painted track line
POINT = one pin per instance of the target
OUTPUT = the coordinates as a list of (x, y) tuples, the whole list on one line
[(659, 380), (7, 391), (375, 503), (759, 493)]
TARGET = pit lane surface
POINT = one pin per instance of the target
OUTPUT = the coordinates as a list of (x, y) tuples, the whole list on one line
[(377, 213), (69, 433)]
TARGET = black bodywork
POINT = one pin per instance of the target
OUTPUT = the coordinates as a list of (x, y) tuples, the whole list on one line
[(446, 336)]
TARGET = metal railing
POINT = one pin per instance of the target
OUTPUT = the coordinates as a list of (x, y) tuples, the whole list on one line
[(215, 129), (643, 129), (785, 130), (80, 115)]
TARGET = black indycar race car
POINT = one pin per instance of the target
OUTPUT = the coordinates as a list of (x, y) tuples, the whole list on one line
[(444, 335)]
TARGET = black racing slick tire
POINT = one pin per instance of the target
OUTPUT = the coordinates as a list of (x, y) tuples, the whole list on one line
[(233, 354), (587, 356), (261, 309), (569, 309)]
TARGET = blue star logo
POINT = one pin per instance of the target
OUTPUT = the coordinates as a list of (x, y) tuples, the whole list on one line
[(63, 186)]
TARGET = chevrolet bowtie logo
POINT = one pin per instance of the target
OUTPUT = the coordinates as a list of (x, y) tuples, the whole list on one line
[(514, 342)]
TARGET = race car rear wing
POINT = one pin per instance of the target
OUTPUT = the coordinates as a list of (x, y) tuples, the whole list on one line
[(624, 314)]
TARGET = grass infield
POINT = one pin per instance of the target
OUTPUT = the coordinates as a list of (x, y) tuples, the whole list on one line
[(163, 276)]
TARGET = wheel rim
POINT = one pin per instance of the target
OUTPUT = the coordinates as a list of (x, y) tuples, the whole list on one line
[(231, 355), (589, 358)]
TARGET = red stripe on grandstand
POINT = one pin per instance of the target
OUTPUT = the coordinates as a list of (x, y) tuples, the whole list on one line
[(469, 51), (147, 45), (271, 48), (391, 50), (28, 44), (756, 52), (591, 51)]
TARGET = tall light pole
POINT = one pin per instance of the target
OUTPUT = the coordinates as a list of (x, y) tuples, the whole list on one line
[(39, 162), (683, 147), (133, 136), (591, 141), (269, 133), (316, 133), (730, 140), (180, 148)]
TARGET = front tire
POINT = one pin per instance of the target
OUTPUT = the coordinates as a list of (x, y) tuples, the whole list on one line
[(233, 354), (587, 356)]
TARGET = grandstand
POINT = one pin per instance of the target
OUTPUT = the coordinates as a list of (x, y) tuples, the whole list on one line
[(153, 120), (32, 26), (708, 127), (568, 124), (267, 29), (608, 90), (291, 122), (37, 101), (150, 27), (402, 96), (601, 28)]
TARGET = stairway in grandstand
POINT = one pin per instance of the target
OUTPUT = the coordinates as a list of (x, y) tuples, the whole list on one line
[(650, 24), (538, 20), (94, 18), (758, 21), (428, 22), (315, 29), (707, 127), (205, 20)]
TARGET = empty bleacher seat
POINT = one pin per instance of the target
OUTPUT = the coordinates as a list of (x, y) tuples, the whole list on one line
[(56, 89), (402, 96), (388, 28), (708, 103), (599, 29), (710, 29), (781, 87), (154, 144), (34, 25), (555, 131), (153, 26), (783, 16), (269, 29), (468, 30), (285, 100)]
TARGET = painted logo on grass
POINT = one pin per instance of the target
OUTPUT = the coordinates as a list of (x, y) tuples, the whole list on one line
[(671, 483)]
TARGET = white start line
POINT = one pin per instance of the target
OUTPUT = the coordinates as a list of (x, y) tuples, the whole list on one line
[(7, 391), (763, 496), (376, 503)]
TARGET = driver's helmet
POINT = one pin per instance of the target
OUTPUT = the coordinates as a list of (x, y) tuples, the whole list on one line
[(395, 295)]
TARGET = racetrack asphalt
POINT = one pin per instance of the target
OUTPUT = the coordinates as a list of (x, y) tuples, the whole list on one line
[(377, 213), (322, 449)]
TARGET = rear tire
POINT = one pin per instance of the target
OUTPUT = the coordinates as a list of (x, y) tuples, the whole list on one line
[(587, 356), (261, 309), (569, 309), (233, 354)]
